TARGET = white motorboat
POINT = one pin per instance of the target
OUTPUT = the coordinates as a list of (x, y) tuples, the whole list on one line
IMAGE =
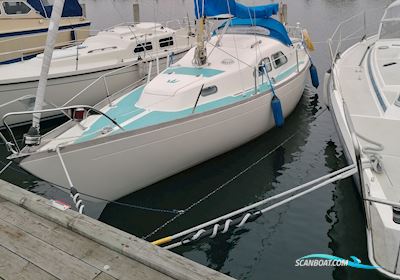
[(220, 95), (24, 25), (362, 92), (111, 59)]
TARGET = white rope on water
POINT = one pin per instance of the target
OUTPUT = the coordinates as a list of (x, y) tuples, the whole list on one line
[(199, 232), (5, 167)]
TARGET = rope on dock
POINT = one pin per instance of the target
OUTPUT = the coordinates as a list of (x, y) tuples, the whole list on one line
[(249, 213)]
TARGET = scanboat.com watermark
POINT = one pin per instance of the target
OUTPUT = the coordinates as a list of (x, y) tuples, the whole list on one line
[(331, 261)]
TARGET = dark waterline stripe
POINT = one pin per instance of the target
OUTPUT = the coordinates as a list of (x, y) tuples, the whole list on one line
[(43, 30), (377, 92)]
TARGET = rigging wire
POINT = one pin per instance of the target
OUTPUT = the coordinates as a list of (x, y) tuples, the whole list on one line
[(129, 205), (236, 51), (220, 187)]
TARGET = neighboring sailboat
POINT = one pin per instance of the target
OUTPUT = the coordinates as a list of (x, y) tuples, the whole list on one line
[(362, 92), (223, 93), (24, 24), (121, 49)]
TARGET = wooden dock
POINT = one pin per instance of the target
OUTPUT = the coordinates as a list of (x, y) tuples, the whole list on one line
[(39, 241)]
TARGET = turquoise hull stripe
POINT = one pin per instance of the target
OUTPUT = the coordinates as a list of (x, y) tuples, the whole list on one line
[(126, 109), (123, 111), (157, 117), (192, 71)]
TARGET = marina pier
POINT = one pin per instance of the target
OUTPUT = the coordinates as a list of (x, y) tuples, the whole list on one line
[(40, 241)]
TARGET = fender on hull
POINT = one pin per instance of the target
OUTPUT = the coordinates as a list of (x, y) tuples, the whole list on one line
[(133, 161)]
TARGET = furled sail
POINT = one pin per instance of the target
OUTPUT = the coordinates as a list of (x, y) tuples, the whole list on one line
[(213, 8)]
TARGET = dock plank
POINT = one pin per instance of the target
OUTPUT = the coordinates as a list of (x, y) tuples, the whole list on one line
[(43, 255), (104, 276), (121, 267), (48, 231), (155, 262), (13, 267)]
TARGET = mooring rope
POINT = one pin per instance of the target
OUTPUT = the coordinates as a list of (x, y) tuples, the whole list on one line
[(5, 167), (238, 218)]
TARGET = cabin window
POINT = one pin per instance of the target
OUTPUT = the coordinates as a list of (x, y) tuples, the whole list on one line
[(279, 59), (165, 42), (16, 8), (264, 64), (390, 30), (48, 2), (209, 90), (142, 46)]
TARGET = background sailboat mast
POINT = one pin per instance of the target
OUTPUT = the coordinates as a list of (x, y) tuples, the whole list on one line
[(48, 54), (200, 55)]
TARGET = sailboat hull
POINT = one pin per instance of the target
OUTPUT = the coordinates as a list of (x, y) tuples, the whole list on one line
[(133, 160)]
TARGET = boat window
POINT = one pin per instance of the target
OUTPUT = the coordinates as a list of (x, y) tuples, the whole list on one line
[(390, 29), (16, 8), (48, 2), (209, 90), (279, 59), (165, 42), (265, 64), (141, 46)]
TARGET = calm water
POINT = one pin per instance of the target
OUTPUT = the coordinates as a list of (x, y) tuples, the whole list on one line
[(328, 221)]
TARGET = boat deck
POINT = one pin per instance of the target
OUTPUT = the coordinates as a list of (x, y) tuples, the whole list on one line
[(370, 100), (38, 241)]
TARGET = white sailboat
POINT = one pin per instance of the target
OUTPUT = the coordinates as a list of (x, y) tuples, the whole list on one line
[(362, 92), (112, 60), (220, 95)]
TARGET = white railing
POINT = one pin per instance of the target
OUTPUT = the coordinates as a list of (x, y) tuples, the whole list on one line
[(103, 79), (353, 28), (173, 24), (22, 52), (357, 27), (295, 32)]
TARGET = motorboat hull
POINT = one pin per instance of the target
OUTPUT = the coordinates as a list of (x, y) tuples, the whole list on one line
[(133, 160), (382, 233), (22, 39), (19, 96)]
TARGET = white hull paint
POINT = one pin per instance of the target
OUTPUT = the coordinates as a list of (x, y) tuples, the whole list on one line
[(382, 233), (163, 150), (19, 96)]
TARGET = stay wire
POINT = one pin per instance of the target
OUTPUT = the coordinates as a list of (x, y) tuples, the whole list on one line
[(229, 181), (140, 207)]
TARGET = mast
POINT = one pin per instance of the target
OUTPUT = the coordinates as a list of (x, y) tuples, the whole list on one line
[(200, 54), (282, 12), (33, 133)]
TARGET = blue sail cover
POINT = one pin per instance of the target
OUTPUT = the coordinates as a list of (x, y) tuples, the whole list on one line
[(219, 7), (245, 16), (276, 29), (72, 8)]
